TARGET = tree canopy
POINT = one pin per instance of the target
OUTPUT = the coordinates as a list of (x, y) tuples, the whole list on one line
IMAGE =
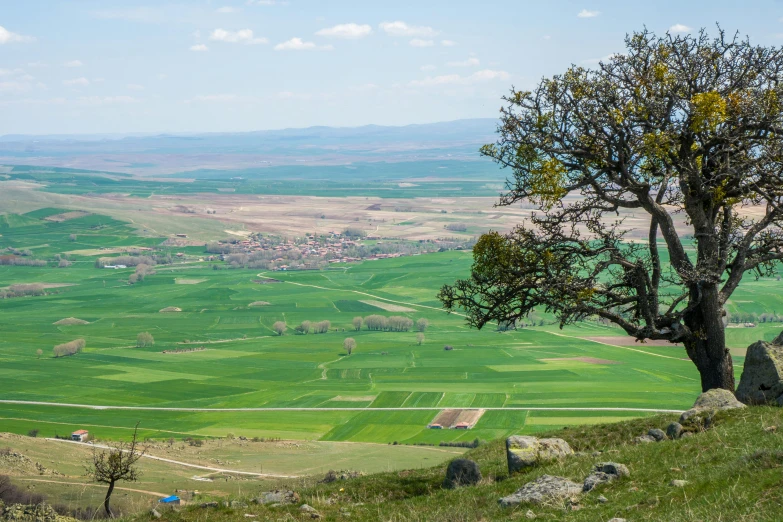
[(686, 131)]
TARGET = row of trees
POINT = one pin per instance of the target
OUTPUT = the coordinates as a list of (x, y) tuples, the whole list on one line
[(395, 323), (21, 261), (142, 270), (22, 290), (71, 348), (125, 260)]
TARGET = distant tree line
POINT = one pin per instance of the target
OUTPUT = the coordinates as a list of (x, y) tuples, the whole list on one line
[(71, 348), (142, 270), (394, 323), (125, 260), (307, 327), (22, 290), (15, 260)]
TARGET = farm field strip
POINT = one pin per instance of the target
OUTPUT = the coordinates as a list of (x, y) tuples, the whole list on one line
[(407, 408)]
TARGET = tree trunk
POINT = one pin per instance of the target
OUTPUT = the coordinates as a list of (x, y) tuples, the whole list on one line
[(707, 349), (106, 500)]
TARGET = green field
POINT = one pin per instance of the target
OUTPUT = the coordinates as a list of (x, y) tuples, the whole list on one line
[(534, 374)]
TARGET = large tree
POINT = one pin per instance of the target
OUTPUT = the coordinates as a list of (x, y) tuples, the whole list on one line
[(684, 130), (115, 464)]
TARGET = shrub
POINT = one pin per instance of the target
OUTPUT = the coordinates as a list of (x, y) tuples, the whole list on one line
[(144, 339), (73, 347), (349, 344), (279, 327)]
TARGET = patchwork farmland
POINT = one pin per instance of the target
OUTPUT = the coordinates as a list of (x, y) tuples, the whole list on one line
[(219, 367)]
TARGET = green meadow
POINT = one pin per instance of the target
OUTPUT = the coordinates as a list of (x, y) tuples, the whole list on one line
[(304, 386)]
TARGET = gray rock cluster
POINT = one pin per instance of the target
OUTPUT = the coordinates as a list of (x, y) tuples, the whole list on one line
[(525, 451), (549, 488), (27, 513), (603, 473), (544, 489), (278, 497), (462, 472), (762, 374)]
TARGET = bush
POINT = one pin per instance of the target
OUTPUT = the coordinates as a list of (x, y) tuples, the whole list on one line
[(350, 345), (33, 433), (279, 327), (456, 227), (73, 347), (145, 339)]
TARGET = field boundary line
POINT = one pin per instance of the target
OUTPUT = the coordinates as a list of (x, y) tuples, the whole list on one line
[(285, 408)]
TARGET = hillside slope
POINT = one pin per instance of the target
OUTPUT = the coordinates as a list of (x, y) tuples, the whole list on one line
[(732, 472)]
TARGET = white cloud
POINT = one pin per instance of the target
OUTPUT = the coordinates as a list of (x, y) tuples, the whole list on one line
[(680, 28), (7, 36), (418, 42), (448, 43), (584, 13), (106, 100), (135, 87), (347, 31), (228, 10), (77, 82), (244, 36), (199, 48), (546, 37), (399, 28), (470, 62), (221, 98), (297, 44), (427, 67), (485, 75), (73, 63)]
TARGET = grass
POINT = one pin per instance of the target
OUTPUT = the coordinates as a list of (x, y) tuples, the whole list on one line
[(732, 473), (245, 365)]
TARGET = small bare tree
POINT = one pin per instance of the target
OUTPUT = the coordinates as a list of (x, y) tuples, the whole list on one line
[(39, 353), (422, 324), (115, 464), (349, 344), (144, 339), (419, 338), (279, 327), (357, 323)]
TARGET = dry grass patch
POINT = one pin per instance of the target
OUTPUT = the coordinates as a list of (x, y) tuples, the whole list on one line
[(183, 281), (70, 321), (65, 216), (389, 307), (170, 309)]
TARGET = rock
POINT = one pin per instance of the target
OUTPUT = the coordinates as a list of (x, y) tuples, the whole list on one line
[(770, 429), (209, 505), (657, 434), (155, 513), (643, 439), (709, 402), (686, 434), (543, 489), (674, 430), (676, 483), (762, 374), (462, 472), (333, 476), (530, 515), (525, 451), (238, 504), (309, 509), (603, 473), (278, 497), (615, 519), (602, 499)]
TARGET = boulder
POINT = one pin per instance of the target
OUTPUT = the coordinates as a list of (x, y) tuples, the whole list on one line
[(676, 483), (278, 497), (603, 473), (543, 489), (155, 513), (711, 401), (643, 439), (525, 451), (762, 374), (462, 472), (657, 434), (674, 430)]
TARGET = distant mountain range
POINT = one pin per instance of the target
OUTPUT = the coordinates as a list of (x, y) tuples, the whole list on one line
[(173, 153)]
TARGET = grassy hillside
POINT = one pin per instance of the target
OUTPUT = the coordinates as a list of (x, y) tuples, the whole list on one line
[(732, 472)]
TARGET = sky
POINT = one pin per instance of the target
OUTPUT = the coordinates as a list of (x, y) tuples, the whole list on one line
[(122, 66)]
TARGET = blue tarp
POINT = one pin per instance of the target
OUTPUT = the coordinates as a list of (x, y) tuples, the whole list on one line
[(169, 500)]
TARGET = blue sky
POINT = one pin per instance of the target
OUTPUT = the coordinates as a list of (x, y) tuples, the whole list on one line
[(108, 66)]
